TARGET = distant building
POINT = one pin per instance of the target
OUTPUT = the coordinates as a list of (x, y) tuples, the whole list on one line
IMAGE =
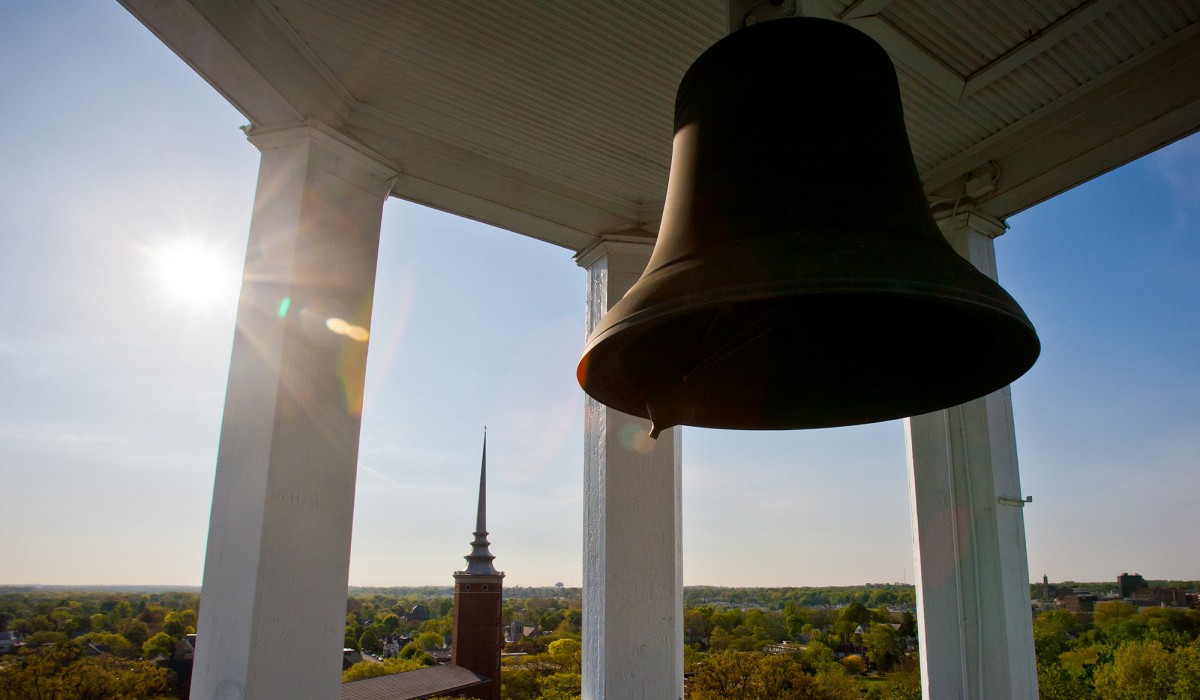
[(1078, 603), (477, 632), (518, 630), (1127, 584), (179, 666), (785, 647), (1172, 597)]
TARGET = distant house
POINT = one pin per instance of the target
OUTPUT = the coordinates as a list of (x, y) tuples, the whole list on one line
[(351, 657), (518, 630), (179, 666), (9, 641)]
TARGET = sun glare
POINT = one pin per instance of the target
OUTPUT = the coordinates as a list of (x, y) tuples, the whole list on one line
[(192, 274)]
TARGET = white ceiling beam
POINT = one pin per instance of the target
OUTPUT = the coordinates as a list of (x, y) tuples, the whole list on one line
[(247, 52), (1063, 27), (1143, 104), (194, 39), (480, 186), (913, 58), (864, 8)]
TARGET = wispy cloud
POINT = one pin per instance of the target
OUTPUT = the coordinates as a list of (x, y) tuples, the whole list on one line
[(538, 402), (1179, 167), (45, 435)]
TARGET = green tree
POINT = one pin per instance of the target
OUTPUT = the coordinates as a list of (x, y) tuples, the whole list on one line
[(440, 625), (904, 682), (856, 613), (817, 656), (794, 619), (46, 637), (854, 664), (61, 672), (1053, 632), (724, 675), (567, 653), (519, 682), (778, 676), (1187, 671), (1138, 670), (114, 643), (1057, 682), (575, 619), (390, 622), (1117, 622), (161, 643), (135, 631), (883, 646), (178, 623), (415, 653), (1110, 611), (372, 669), (428, 641), (834, 684), (1171, 623), (844, 630), (369, 641), (563, 685)]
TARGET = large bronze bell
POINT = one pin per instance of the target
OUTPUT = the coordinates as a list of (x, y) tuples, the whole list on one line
[(799, 280)]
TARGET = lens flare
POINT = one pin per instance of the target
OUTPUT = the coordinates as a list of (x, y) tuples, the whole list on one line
[(633, 436), (351, 331)]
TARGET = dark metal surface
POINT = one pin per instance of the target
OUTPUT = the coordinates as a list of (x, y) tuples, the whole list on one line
[(799, 280)]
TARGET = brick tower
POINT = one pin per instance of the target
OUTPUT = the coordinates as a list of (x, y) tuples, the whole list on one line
[(478, 617)]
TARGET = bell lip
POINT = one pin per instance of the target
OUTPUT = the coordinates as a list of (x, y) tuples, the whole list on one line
[(1029, 349), (641, 312)]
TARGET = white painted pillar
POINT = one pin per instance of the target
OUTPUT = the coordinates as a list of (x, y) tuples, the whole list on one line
[(273, 603), (973, 606), (633, 573)]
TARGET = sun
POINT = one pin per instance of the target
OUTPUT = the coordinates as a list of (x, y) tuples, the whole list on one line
[(191, 273)]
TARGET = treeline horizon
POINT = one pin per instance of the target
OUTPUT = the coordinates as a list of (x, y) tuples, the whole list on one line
[(543, 591)]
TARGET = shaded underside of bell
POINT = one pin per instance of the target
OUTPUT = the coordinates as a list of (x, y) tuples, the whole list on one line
[(703, 344), (799, 280)]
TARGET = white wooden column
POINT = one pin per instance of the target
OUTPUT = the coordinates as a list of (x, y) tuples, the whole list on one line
[(633, 574), (973, 606), (273, 603)]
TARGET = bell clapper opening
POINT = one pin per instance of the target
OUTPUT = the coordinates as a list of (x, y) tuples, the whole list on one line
[(761, 326)]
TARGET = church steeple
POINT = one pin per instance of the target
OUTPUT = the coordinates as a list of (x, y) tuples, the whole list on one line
[(478, 625), (479, 561)]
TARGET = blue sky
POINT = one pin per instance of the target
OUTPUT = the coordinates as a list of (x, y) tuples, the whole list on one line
[(112, 150)]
